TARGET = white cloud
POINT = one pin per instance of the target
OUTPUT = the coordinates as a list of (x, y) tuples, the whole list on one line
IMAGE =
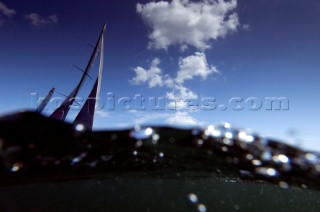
[(179, 96), (178, 118), (152, 76), (182, 118), (181, 92), (4, 10), (194, 65), (37, 20), (189, 67), (188, 23)]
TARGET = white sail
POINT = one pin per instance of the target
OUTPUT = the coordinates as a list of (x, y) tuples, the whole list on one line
[(100, 68)]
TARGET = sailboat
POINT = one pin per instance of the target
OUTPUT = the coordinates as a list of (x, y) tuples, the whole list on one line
[(86, 114), (45, 101)]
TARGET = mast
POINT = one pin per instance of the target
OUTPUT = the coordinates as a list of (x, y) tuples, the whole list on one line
[(45, 101), (61, 112), (86, 114)]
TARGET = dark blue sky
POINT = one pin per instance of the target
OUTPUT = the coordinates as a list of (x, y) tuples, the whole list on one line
[(272, 52)]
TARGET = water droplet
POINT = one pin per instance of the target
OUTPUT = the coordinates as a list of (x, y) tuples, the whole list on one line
[(78, 158), (304, 186), (228, 141), (242, 135), (93, 164), (139, 143), (192, 198), (155, 138), (227, 125), (228, 135), (236, 207), (80, 127), (249, 156), (148, 131), (256, 162), (212, 131), (200, 142), (105, 158), (224, 149), (161, 154), (202, 208), (266, 171), (311, 157), (142, 133), (245, 173), (250, 138), (283, 184), (266, 156), (280, 158), (245, 137), (16, 167), (135, 153)]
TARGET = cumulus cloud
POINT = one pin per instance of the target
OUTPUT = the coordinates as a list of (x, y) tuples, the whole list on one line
[(5, 12), (182, 118), (181, 92), (187, 23), (189, 67), (152, 76), (37, 20), (179, 95), (194, 65), (178, 118)]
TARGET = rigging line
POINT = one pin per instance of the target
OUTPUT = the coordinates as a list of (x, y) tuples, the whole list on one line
[(83, 71), (67, 96), (61, 94), (80, 57), (93, 48)]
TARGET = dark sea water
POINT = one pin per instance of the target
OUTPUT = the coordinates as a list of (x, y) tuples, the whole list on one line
[(47, 165)]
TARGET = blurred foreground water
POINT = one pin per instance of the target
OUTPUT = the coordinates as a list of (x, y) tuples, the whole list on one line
[(48, 165)]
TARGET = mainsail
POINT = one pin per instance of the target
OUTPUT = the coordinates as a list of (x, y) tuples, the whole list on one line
[(61, 112), (86, 114), (45, 101)]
